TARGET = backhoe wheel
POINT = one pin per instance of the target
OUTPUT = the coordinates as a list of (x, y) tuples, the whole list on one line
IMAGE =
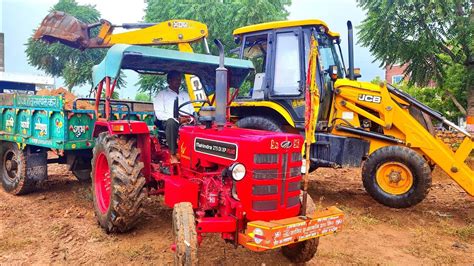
[(117, 186), (185, 236), (13, 166), (303, 251), (259, 122), (396, 176)]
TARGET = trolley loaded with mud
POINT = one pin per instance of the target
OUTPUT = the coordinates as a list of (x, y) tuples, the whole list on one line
[(243, 184), (32, 125)]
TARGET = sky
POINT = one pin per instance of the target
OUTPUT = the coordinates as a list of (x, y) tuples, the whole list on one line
[(20, 17)]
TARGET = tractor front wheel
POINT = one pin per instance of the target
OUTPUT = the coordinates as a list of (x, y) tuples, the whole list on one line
[(185, 236), (118, 185), (302, 252), (396, 176)]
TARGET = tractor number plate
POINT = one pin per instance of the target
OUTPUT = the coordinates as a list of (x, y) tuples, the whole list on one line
[(274, 234), (216, 148)]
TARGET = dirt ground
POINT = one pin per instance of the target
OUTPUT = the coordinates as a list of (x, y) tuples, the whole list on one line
[(56, 225)]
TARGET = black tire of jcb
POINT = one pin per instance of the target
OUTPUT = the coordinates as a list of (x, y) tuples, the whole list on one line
[(22, 183), (418, 166), (303, 251), (127, 182), (260, 123), (185, 236)]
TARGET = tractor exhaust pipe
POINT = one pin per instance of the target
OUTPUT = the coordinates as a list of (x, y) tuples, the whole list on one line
[(350, 40), (221, 87)]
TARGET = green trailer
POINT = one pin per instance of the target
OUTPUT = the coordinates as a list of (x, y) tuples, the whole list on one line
[(32, 125)]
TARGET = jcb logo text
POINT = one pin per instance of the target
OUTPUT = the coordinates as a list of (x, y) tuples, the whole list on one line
[(370, 98)]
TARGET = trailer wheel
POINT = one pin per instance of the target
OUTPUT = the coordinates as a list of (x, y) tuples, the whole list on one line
[(302, 252), (118, 185), (13, 166), (185, 236), (396, 176), (82, 169), (83, 175)]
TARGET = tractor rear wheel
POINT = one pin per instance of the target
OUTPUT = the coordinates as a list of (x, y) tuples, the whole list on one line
[(185, 236), (13, 170), (303, 251), (118, 185), (396, 176)]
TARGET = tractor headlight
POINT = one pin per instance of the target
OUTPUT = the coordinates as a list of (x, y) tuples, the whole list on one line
[(303, 166), (238, 171)]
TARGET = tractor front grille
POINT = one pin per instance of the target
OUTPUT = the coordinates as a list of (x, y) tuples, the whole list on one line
[(265, 158), (265, 174), (276, 181)]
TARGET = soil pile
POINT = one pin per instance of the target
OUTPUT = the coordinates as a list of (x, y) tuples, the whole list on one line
[(68, 98), (451, 138)]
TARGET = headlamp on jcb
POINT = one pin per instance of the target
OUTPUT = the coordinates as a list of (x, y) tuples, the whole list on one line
[(237, 171), (333, 72)]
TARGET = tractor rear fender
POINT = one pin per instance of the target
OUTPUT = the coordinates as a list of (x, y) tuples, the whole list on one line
[(139, 129)]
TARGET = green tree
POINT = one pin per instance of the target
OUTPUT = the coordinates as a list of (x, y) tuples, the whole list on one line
[(58, 60), (435, 38), (142, 96), (221, 17)]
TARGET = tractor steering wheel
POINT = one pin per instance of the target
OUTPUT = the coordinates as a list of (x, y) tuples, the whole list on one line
[(181, 112)]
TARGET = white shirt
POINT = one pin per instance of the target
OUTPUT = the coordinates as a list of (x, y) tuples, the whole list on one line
[(164, 103)]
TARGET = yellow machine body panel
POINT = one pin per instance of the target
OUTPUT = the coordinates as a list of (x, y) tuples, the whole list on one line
[(284, 24)]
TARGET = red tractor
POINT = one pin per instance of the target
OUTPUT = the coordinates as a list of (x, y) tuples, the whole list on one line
[(241, 183)]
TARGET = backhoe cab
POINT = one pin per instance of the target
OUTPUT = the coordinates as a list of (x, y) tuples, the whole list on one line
[(356, 122)]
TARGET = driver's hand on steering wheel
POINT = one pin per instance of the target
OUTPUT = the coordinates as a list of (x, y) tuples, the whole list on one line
[(185, 119)]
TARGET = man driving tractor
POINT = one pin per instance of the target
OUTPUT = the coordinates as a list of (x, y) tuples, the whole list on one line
[(164, 111)]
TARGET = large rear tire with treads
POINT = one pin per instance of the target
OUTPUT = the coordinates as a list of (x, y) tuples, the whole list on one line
[(117, 185)]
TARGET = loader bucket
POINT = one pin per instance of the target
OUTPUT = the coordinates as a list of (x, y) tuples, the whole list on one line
[(64, 28)]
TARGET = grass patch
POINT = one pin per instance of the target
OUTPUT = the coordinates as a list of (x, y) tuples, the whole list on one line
[(463, 233), (367, 219), (12, 242), (425, 245)]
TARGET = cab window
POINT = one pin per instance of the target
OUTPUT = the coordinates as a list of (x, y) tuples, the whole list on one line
[(255, 50), (287, 65)]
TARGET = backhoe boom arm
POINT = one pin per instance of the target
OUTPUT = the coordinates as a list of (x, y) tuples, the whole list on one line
[(66, 29)]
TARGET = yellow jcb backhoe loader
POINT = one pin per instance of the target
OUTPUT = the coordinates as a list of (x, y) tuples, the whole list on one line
[(379, 126), (66, 29)]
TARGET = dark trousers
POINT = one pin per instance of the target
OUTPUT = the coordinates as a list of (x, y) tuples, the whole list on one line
[(171, 131)]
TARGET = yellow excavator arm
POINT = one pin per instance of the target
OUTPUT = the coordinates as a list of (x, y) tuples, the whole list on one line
[(68, 30), (64, 28)]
